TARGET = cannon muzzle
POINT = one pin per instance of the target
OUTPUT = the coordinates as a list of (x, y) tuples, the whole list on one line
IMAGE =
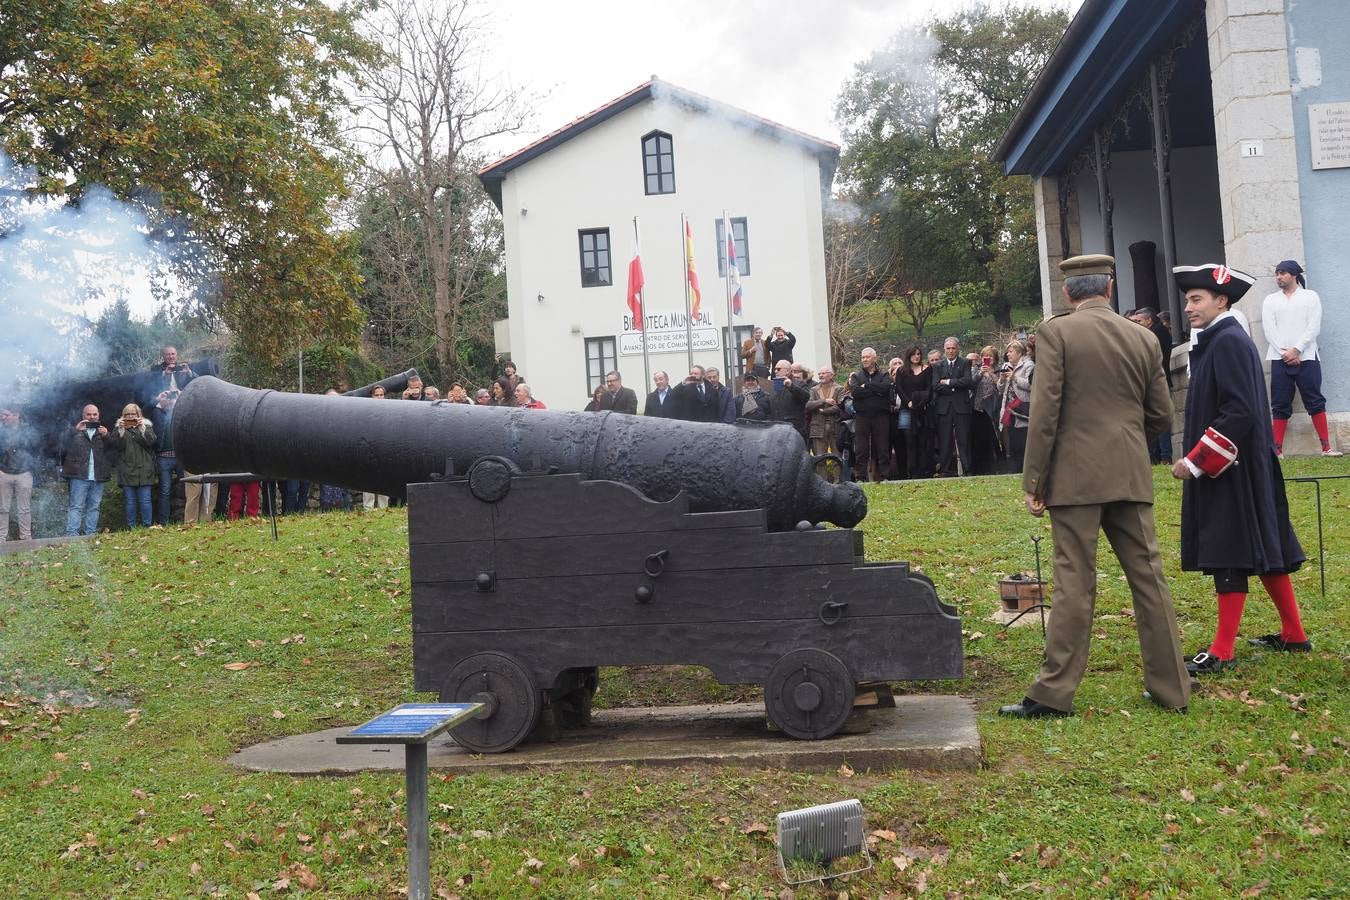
[(384, 445)]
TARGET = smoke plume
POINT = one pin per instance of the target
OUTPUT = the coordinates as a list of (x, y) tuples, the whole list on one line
[(57, 260)]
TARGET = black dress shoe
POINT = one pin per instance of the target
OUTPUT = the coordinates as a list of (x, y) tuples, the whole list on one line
[(1148, 695), (1030, 709), (1275, 642), (1206, 663)]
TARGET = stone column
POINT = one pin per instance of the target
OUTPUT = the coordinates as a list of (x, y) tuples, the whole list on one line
[(1045, 191), (1259, 195)]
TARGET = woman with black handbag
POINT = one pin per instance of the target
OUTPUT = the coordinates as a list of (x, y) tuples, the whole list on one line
[(1016, 409)]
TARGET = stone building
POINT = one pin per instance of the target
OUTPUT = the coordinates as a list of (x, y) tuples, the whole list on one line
[(1174, 132)]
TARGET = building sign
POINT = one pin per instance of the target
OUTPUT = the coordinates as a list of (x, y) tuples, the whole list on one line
[(666, 333), (1329, 131)]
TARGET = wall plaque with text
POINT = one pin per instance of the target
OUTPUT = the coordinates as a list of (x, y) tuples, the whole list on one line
[(1329, 132)]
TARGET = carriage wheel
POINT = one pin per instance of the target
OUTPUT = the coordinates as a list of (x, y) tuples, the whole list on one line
[(506, 688), (809, 694)]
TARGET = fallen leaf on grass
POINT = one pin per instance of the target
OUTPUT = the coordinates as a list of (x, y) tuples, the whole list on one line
[(882, 834), (755, 828), (1256, 889), (846, 770), (278, 714), (900, 862), (1188, 795), (238, 666)]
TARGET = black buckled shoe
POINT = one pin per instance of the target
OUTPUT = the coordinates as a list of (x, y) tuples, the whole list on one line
[(1030, 709), (1206, 663), (1148, 695), (1276, 642)]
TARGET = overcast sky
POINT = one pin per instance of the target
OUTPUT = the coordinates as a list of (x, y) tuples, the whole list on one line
[(785, 60)]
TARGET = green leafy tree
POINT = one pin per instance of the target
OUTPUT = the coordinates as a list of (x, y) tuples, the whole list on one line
[(921, 120), (400, 277), (220, 120), (430, 108)]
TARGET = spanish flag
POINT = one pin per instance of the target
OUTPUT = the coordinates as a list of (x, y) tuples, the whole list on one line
[(695, 296)]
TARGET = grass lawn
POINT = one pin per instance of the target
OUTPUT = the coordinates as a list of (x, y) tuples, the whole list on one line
[(122, 689)]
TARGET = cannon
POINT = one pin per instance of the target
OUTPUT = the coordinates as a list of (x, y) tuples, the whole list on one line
[(546, 544), (392, 385)]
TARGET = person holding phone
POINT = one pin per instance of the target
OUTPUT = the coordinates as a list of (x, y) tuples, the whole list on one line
[(135, 437), (986, 447), (86, 468), (780, 344)]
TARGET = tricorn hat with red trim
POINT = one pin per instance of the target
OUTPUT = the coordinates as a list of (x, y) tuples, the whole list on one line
[(1213, 277)]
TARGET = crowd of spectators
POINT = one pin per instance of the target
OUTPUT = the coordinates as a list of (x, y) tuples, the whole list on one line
[(934, 413)]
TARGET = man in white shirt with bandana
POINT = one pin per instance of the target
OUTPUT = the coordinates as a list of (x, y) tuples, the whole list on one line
[(1292, 319)]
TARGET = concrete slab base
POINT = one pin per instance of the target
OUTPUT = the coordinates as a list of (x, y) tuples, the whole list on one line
[(10, 547), (922, 732)]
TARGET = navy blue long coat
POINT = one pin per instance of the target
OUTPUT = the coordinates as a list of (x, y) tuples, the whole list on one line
[(1239, 520)]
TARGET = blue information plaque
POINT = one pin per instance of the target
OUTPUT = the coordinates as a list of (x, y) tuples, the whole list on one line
[(411, 723)]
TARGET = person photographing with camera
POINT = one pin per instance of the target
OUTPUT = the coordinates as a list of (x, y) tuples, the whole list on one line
[(86, 468), (170, 373), (136, 466)]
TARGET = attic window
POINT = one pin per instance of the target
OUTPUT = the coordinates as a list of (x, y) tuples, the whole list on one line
[(658, 163)]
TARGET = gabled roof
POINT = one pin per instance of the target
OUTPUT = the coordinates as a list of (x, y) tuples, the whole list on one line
[(827, 153), (1103, 53)]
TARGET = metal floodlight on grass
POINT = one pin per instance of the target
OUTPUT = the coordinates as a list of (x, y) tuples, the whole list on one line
[(820, 835)]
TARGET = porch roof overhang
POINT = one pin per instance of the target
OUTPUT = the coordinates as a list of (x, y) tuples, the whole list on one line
[(1104, 52)]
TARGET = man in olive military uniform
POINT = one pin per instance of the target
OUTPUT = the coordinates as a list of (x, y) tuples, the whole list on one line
[(1098, 397)]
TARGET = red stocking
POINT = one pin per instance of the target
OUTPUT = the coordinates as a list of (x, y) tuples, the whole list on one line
[(1280, 426), (1319, 421), (1230, 616), (1281, 590)]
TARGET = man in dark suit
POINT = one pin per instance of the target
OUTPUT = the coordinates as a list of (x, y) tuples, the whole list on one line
[(623, 399), (661, 401), (954, 382), (695, 399)]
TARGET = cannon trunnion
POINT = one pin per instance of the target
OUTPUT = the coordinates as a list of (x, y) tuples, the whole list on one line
[(524, 584)]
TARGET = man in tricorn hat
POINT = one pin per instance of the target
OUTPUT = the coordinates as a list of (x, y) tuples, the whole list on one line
[(1234, 515), (1291, 319), (1098, 396)]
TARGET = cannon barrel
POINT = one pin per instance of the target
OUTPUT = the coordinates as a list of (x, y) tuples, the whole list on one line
[(384, 445), (392, 385)]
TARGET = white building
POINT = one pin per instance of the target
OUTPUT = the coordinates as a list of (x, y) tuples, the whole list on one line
[(568, 202)]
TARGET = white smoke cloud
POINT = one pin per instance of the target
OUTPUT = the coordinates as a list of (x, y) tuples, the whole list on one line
[(57, 263)]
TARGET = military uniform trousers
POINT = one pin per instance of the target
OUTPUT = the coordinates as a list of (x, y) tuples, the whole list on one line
[(1129, 529)]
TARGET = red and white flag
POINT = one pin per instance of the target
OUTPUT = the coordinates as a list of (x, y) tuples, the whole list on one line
[(733, 268), (635, 283)]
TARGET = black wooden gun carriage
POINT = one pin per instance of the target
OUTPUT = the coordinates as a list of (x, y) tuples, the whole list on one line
[(544, 545)]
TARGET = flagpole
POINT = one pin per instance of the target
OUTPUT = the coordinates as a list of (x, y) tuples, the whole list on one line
[(734, 355), (642, 322), (685, 249)]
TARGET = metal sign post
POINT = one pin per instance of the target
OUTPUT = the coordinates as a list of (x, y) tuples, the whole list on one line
[(413, 725)]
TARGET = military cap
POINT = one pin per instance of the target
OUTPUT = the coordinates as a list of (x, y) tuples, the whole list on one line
[(1213, 277), (1090, 264)]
